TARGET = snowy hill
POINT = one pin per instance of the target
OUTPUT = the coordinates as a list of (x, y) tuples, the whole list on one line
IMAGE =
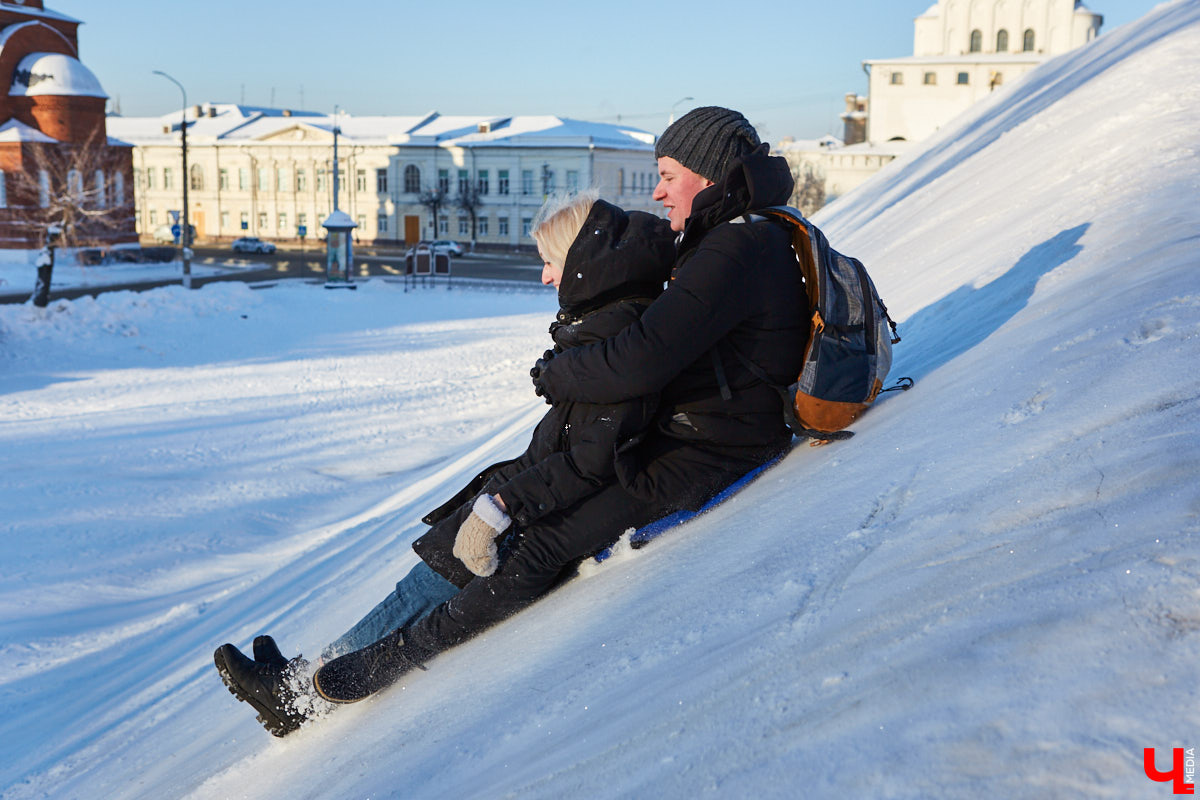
[(994, 588)]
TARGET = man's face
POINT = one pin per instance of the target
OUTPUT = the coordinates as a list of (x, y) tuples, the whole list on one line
[(677, 187)]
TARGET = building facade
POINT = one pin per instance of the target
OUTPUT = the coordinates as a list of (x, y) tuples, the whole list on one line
[(962, 50), (269, 172), (57, 163)]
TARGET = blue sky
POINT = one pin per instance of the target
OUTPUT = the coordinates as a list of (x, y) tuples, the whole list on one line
[(786, 64)]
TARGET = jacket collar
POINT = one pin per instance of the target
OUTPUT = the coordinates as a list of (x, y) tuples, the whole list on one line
[(756, 180)]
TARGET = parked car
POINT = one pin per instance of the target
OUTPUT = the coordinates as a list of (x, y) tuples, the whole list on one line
[(252, 244), (166, 234), (447, 246)]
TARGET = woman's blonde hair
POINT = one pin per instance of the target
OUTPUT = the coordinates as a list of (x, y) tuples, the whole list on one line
[(559, 221)]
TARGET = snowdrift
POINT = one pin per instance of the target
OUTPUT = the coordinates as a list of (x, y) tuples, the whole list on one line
[(993, 588)]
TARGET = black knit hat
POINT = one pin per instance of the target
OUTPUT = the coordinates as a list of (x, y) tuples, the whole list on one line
[(707, 141)]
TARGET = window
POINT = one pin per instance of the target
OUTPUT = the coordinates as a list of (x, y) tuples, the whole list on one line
[(381, 184), (197, 173), (443, 180), (262, 220), (572, 180), (1002, 42), (464, 226), (526, 224), (360, 180), (168, 178), (464, 181), (976, 41), (412, 179), (139, 178), (502, 181), (381, 220), (302, 220), (282, 222), (243, 220), (341, 179), (320, 180), (75, 184), (301, 180), (621, 181), (1027, 43), (481, 226), (897, 78), (281, 180), (223, 179), (443, 226), (153, 217), (224, 223), (502, 226), (118, 184), (98, 184), (243, 178), (263, 183), (931, 79), (548, 185), (481, 181), (361, 223), (526, 181), (963, 79), (150, 179), (3, 190)]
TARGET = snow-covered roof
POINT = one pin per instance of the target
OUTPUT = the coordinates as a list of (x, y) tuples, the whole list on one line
[(218, 123), (339, 219), (16, 131), (54, 74)]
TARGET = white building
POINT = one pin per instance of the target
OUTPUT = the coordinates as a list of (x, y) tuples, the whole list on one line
[(963, 49), (268, 172)]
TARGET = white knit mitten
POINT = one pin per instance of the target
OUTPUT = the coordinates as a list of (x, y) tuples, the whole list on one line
[(475, 544)]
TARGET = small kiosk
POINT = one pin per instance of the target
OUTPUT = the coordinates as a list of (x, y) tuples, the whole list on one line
[(339, 250)]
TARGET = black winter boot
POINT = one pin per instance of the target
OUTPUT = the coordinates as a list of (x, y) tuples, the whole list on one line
[(267, 652), (357, 675), (271, 688)]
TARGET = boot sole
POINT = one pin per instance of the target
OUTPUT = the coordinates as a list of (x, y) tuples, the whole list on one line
[(338, 700), (266, 717)]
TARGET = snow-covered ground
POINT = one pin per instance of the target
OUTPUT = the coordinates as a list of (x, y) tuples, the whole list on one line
[(992, 590), (18, 273)]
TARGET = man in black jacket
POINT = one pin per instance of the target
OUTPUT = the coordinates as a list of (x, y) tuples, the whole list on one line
[(735, 293)]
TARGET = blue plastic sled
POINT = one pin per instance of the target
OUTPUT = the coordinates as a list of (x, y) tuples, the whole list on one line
[(651, 530)]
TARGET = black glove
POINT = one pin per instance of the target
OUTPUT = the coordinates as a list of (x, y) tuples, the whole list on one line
[(536, 373)]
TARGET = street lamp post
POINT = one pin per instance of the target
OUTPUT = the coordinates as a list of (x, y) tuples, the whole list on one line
[(676, 103), (185, 232)]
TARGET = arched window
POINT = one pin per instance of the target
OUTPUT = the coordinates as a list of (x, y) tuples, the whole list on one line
[(118, 189), (101, 197), (197, 183), (3, 190), (412, 179), (976, 41), (1002, 42), (1028, 44), (43, 188)]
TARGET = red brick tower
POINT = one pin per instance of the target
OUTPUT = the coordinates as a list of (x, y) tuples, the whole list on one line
[(53, 136)]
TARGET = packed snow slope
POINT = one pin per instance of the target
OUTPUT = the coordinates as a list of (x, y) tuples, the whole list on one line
[(992, 590)]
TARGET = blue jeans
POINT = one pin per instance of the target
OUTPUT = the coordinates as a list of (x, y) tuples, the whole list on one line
[(418, 593)]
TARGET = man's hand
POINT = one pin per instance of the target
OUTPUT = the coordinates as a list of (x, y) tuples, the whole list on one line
[(536, 373), (475, 544)]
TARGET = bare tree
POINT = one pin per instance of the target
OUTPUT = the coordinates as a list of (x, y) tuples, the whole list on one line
[(435, 201), (809, 194), (78, 187), (469, 200)]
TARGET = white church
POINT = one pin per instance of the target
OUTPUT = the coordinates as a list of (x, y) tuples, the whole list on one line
[(962, 50)]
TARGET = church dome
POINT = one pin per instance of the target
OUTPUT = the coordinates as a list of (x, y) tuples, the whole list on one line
[(54, 74)]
